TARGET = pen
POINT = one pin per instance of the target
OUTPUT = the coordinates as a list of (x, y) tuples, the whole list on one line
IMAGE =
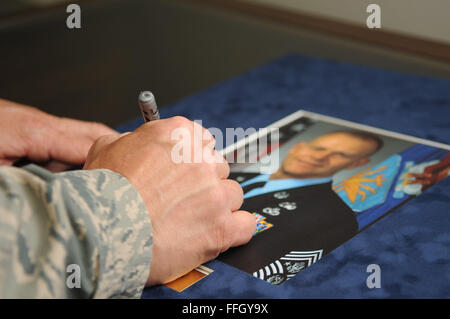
[(148, 106)]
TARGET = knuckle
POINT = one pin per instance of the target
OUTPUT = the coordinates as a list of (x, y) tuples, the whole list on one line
[(219, 195), (207, 135), (179, 121), (226, 167), (212, 167), (209, 139), (216, 196), (221, 159), (207, 170), (238, 191)]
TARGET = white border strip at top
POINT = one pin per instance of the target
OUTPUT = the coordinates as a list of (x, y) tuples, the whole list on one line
[(301, 113)]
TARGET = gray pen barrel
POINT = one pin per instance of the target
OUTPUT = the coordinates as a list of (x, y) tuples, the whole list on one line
[(148, 106)]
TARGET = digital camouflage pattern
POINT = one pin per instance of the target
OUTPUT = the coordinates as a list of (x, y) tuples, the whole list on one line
[(95, 219)]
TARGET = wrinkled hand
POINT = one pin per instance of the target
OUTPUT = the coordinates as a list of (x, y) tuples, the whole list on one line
[(432, 174), (427, 179), (57, 143), (193, 207)]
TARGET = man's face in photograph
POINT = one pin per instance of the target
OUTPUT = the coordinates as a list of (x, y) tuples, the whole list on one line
[(328, 154)]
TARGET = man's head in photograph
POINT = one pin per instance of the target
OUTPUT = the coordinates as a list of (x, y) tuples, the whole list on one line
[(328, 154)]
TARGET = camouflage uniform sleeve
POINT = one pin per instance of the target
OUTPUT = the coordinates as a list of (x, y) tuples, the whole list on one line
[(55, 226)]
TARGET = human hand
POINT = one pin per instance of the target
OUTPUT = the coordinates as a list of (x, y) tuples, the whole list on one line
[(56, 142), (193, 207), (427, 179), (432, 174)]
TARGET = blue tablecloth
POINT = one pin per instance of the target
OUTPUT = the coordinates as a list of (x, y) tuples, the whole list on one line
[(411, 245)]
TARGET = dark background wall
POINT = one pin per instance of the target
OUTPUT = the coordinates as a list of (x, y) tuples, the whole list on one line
[(174, 48)]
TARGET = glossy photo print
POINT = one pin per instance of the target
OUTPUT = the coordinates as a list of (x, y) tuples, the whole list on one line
[(334, 179)]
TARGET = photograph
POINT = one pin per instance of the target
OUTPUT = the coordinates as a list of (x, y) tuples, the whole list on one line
[(334, 180), (202, 152)]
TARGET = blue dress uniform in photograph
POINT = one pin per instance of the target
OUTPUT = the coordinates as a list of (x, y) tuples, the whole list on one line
[(302, 217), (309, 220)]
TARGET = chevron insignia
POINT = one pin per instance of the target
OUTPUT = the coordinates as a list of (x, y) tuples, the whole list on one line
[(288, 266)]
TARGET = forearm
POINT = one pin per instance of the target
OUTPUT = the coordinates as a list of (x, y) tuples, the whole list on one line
[(93, 219)]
